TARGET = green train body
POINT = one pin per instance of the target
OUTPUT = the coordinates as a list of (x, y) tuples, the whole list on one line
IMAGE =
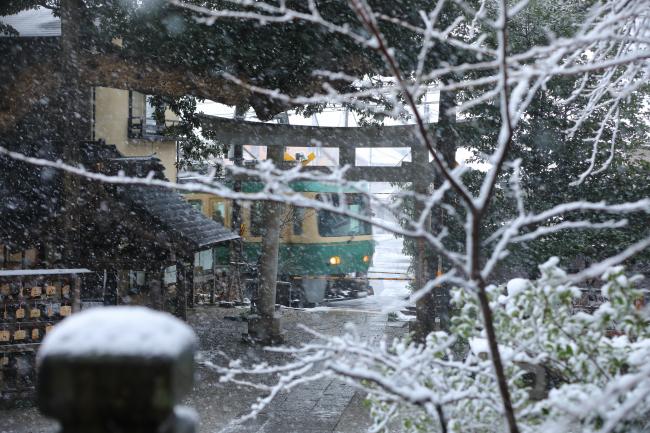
[(318, 249), (314, 259)]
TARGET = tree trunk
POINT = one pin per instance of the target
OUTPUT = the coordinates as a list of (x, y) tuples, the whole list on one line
[(266, 328), (447, 145), (270, 247), (269, 259)]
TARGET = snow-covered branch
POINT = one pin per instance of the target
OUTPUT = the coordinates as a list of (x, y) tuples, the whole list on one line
[(517, 326)]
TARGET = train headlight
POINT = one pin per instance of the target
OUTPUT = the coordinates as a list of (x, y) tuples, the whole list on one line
[(366, 259), (335, 260)]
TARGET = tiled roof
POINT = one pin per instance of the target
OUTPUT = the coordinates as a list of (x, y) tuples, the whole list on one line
[(29, 203), (39, 22), (164, 206), (171, 211)]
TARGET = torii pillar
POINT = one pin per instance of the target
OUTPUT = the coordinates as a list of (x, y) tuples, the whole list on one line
[(424, 307)]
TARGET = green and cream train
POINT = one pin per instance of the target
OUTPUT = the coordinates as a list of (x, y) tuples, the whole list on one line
[(322, 254)]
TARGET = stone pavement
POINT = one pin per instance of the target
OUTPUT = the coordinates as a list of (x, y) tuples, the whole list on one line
[(325, 406)]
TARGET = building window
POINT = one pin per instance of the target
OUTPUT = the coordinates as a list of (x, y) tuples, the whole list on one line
[(137, 281), (170, 275), (142, 117), (150, 110)]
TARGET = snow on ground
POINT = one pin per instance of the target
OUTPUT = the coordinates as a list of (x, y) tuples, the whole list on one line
[(388, 262)]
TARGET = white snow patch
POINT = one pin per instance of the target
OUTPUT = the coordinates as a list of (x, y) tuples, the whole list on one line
[(516, 286), (481, 346), (119, 331), (188, 415)]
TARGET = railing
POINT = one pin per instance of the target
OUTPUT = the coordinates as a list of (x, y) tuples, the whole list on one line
[(143, 128)]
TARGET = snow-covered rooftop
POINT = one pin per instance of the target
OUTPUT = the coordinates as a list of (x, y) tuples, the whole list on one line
[(119, 331), (39, 22)]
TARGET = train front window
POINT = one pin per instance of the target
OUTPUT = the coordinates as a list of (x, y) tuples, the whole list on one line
[(332, 224), (196, 204)]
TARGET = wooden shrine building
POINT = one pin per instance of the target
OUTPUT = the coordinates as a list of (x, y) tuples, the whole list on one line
[(64, 247)]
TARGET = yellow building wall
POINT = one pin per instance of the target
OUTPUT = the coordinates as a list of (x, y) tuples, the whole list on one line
[(111, 125)]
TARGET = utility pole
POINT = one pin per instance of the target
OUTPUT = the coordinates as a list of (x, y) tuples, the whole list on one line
[(447, 145), (347, 154)]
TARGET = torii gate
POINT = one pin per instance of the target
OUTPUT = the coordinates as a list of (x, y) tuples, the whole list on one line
[(278, 136)]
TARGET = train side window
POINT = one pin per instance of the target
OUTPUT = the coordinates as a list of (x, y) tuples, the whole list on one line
[(257, 218), (219, 212), (196, 204), (297, 219)]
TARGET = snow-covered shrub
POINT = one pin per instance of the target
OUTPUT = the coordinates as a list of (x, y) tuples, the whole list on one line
[(594, 365)]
